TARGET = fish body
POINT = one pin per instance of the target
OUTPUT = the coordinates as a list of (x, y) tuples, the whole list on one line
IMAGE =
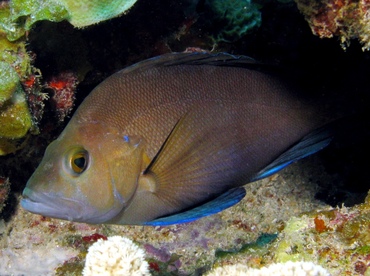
[(172, 139)]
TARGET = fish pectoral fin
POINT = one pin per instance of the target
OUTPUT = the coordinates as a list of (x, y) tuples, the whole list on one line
[(310, 144), (148, 182), (222, 202), (199, 160)]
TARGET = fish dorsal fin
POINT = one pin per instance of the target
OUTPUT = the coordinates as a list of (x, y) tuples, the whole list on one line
[(224, 201), (194, 58), (310, 144)]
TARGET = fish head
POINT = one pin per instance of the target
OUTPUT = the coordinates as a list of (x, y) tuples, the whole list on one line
[(89, 174)]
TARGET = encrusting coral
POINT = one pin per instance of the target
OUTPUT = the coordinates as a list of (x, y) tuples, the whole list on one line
[(18, 16), (345, 19), (115, 256), (21, 108), (279, 269), (88, 12), (15, 118)]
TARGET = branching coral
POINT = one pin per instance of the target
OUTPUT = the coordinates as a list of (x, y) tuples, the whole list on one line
[(115, 256)]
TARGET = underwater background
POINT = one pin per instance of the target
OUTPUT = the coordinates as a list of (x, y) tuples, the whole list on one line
[(316, 210)]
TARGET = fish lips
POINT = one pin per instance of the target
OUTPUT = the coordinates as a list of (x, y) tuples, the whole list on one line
[(50, 206)]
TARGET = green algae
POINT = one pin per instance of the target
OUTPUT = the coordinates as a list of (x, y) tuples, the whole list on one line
[(259, 247), (17, 17), (292, 245), (15, 118), (364, 250), (72, 267), (236, 17), (9, 82)]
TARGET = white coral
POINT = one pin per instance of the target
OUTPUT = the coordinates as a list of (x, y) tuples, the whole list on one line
[(115, 256), (279, 269)]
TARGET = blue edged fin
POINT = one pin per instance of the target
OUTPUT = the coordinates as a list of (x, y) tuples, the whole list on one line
[(224, 201), (310, 144)]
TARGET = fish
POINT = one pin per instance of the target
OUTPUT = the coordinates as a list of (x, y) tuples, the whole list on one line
[(172, 139)]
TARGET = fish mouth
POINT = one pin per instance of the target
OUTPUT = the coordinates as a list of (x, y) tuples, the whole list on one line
[(52, 206)]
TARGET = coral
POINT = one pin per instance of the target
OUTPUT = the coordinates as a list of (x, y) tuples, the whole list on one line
[(15, 65), (88, 12), (35, 96), (330, 237), (279, 269), (18, 16), (9, 82), (347, 19), (115, 256), (64, 88), (235, 18), (22, 107), (15, 118)]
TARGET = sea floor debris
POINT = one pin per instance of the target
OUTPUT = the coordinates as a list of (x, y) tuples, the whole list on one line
[(29, 239), (282, 206)]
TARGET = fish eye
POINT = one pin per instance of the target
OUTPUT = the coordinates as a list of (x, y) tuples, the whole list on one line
[(79, 161)]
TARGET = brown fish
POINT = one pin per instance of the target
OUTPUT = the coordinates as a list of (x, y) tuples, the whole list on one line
[(172, 139)]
